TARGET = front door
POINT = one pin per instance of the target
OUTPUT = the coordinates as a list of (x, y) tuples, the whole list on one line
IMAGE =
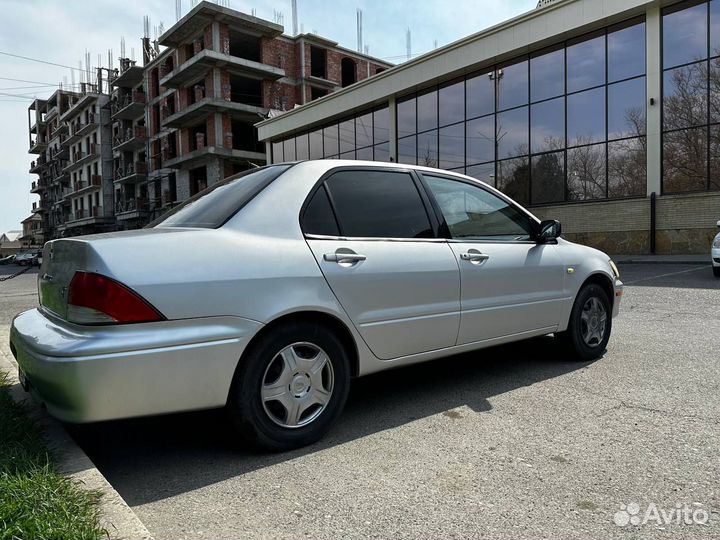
[(511, 285), (372, 236)]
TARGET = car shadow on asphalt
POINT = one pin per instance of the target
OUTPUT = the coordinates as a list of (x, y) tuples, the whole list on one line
[(150, 459)]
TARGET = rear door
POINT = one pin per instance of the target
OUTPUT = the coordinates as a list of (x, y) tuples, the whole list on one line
[(375, 238), (510, 284)]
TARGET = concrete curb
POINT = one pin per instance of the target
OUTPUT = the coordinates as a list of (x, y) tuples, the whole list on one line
[(115, 515), (702, 261)]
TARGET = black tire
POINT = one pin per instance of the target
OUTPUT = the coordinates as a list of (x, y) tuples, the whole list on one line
[(245, 405), (716, 271), (571, 341)]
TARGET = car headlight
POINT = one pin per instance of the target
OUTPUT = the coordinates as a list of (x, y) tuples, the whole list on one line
[(716, 242), (614, 269)]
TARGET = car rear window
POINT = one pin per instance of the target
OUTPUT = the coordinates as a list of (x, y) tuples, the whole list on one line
[(213, 207)]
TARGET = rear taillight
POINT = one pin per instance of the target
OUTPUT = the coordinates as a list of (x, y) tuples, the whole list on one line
[(97, 299)]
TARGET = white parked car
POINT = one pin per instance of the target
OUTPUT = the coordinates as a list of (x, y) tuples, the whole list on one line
[(268, 292), (715, 253)]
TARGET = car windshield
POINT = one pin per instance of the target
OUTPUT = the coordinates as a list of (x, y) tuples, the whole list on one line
[(213, 207)]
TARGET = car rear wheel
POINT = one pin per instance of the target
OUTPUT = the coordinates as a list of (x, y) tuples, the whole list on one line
[(716, 271), (589, 326), (290, 387)]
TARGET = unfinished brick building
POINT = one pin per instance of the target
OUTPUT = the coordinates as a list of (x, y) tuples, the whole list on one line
[(222, 72)]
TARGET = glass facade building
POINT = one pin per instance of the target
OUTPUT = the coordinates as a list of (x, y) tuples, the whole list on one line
[(581, 110)]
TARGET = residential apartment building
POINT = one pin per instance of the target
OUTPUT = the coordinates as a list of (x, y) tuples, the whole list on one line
[(183, 121)]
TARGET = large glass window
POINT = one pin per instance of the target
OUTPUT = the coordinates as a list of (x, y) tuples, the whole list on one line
[(547, 75), (691, 95), (378, 204), (512, 85), (565, 123)]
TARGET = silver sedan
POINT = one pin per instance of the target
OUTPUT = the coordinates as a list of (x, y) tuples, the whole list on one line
[(268, 292)]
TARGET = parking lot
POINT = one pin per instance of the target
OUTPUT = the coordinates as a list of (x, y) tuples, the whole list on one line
[(506, 442)]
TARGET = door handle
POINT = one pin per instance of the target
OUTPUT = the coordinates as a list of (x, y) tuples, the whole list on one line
[(344, 258), (474, 256)]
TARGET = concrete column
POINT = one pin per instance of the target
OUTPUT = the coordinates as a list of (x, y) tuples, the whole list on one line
[(393, 128), (216, 45), (303, 91), (268, 152), (654, 79)]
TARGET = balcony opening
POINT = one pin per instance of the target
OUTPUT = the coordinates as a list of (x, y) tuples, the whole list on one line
[(245, 46), (155, 82), (172, 146), (316, 93), (348, 72), (318, 62), (379, 70), (198, 180), (172, 188), (196, 93), (198, 137), (244, 90), (245, 137)]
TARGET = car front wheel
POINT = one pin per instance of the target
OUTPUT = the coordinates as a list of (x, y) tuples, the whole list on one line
[(290, 387), (589, 326), (716, 271)]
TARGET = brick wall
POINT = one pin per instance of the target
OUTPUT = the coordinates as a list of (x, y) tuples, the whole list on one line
[(685, 224), (282, 54), (208, 38), (224, 45), (227, 131), (210, 129)]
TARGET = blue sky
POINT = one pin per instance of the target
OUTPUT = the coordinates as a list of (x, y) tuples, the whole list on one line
[(62, 31)]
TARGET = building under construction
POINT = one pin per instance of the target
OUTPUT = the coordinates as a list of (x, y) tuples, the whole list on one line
[(124, 149)]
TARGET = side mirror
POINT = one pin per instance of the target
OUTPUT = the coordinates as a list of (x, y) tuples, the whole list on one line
[(550, 229)]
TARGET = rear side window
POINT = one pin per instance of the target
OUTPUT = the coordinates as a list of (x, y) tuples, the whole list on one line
[(318, 217), (212, 207), (378, 204)]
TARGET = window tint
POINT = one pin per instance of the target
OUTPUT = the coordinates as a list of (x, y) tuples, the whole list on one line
[(378, 204), (318, 217), (472, 212), (212, 207)]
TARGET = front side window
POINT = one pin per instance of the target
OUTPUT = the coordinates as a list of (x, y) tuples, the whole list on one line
[(471, 212), (378, 204)]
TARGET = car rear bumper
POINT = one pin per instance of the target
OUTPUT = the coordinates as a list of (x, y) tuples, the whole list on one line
[(87, 374)]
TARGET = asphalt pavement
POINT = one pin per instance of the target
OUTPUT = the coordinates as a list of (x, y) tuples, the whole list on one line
[(506, 442)]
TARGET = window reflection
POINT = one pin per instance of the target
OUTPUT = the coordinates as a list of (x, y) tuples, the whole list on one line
[(586, 172), (548, 178), (381, 152), (347, 136), (365, 154), (480, 95), (547, 75), (512, 82), (685, 160), (512, 133), (407, 150), (331, 142), (316, 144), (626, 109), (452, 103), (586, 64), (685, 96), (363, 130), (513, 179), (586, 117), (484, 172), (406, 117), (714, 183), (427, 149), (685, 35), (480, 140), (627, 168), (452, 153), (427, 111), (547, 121), (626, 52), (381, 125)]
